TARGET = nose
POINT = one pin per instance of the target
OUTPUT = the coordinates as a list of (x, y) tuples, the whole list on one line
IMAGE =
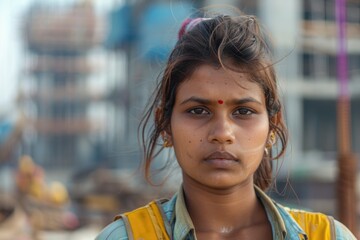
[(221, 130)]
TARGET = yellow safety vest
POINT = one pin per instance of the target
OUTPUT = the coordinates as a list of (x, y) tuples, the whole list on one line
[(147, 223), (317, 226)]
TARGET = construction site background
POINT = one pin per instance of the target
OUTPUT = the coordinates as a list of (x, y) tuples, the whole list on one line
[(76, 76)]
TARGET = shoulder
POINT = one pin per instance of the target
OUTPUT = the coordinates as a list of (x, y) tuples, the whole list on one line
[(117, 230), (114, 231), (317, 225), (321, 223), (342, 232)]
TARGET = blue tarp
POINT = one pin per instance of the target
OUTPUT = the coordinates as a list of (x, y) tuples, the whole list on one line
[(159, 25), (121, 30), (156, 31), (5, 130)]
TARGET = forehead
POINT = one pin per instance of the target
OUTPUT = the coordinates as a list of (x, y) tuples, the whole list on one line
[(210, 80)]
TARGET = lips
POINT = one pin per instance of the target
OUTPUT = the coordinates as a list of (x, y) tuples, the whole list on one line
[(221, 156)]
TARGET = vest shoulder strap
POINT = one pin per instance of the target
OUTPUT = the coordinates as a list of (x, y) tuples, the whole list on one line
[(146, 222), (315, 225)]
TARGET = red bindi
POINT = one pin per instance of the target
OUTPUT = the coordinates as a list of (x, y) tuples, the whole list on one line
[(220, 101)]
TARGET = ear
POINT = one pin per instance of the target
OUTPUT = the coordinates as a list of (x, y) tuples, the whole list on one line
[(166, 135), (168, 130), (159, 122), (166, 139), (271, 140)]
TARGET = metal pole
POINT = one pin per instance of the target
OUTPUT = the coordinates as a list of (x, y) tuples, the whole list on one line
[(346, 190)]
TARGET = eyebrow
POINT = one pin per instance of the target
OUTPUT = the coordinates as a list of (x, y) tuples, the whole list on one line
[(209, 102)]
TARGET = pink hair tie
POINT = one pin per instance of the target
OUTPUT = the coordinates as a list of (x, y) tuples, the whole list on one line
[(189, 24)]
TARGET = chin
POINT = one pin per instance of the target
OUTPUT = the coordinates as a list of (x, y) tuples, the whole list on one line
[(217, 181), (222, 184)]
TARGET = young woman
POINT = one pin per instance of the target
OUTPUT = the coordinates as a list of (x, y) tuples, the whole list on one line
[(218, 107)]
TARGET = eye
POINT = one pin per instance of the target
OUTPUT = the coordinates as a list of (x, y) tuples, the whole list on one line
[(199, 111), (243, 111)]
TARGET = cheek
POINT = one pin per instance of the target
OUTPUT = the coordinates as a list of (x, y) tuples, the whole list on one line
[(186, 143), (184, 139), (254, 137), (184, 133)]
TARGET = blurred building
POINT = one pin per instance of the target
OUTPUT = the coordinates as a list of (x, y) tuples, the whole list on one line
[(55, 95)]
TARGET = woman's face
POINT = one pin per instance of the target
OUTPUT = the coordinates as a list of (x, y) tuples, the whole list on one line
[(219, 128)]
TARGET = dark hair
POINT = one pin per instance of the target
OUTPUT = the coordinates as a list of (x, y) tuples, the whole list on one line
[(235, 43)]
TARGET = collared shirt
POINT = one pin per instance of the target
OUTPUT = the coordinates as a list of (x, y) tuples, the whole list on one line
[(184, 228), (180, 226)]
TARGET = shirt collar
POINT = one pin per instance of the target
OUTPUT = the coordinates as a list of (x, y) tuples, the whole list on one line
[(273, 214), (183, 225)]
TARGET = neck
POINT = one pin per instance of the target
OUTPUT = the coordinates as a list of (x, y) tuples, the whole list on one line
[(226, 209)]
